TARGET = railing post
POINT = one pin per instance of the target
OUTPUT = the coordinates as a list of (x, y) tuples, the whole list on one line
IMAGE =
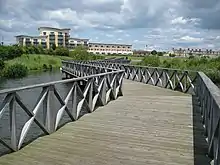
[(49, 110), (12, 111)]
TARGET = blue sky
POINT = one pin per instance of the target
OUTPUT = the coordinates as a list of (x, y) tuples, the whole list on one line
[(160, 24)]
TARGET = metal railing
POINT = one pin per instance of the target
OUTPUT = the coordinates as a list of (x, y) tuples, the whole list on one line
[(195, 83), (208, 95), (100, 87), (111, 60), (174, 79)]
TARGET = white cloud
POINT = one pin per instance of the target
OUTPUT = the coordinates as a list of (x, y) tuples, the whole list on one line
[(160, 23), (191, 39), (179, 20)]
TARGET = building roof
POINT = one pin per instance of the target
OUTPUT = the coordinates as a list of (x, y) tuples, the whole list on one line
[(81, 39), (52, 28), (31, 36), (93, 43)]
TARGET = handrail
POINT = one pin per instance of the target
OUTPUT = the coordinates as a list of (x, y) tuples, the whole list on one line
[(98, 90), (208, 95), (175, 79), (104, 83), (138, 66), (10, 90), (193, 82)]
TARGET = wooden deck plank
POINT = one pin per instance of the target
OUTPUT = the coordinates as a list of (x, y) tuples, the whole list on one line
[(148, 125)]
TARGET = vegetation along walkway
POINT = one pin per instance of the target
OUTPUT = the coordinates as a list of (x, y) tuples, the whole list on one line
[(148, 125)]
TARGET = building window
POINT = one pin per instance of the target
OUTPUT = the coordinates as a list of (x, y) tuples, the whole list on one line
[(59, 33), (51, 32)]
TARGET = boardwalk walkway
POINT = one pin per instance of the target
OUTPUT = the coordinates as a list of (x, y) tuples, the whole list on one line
[(148, 125)]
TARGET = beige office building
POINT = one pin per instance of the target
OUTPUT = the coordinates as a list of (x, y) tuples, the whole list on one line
[(59, 37), (48, 36), (102, 48)]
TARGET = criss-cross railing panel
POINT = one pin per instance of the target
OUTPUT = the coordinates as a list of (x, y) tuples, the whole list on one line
[(174, 79), (208, 96), (198, 84), (101, 86)]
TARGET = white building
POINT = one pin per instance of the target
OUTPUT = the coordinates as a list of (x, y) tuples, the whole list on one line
[(74, 42), (25, 40), (101, 48)]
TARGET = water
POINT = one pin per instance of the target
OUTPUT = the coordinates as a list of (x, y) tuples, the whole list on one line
[(29, 99), (33, 78)]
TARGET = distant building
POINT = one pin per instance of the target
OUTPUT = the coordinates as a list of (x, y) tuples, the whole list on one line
[(59, 37), (103, 48), (189, 51), (74, 42), (48, 36), (25, 40)]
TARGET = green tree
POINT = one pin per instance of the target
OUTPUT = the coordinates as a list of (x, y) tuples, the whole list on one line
[(40, 49), (152, 61), (80, 53), (154, 52), (160, 53), (2, 64), (53, 46), (61, 51)]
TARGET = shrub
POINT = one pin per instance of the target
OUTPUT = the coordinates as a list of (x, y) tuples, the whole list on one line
[(160, 53), (152, 61), (45, 66), (10, 52), (60, 51), (2, 64), (80, 53), (172, 55), (191, 56), (15, 71)]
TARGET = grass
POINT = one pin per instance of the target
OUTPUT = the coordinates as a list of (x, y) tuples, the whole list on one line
[(37, 61)]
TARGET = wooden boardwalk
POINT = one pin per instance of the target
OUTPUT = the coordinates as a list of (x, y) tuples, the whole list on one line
[(148, 125)]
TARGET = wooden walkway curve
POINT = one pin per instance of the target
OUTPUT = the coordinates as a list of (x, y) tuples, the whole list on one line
[(148, 125)]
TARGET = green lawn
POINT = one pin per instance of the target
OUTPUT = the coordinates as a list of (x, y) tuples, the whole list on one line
[(36, 61)]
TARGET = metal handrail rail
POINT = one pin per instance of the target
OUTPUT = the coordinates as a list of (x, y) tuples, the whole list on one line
[(98, 90), (206, 92)]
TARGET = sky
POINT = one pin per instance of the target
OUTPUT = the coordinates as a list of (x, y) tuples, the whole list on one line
[(159, 24)]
